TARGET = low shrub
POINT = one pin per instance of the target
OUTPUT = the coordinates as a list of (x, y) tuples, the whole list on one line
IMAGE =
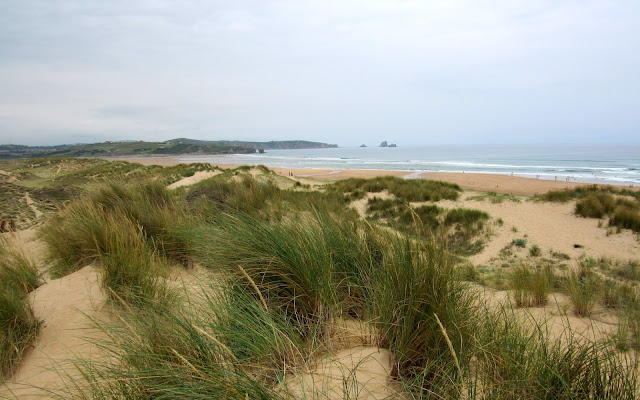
[(595, 205), (386, 208), (520, 243), (535, 251), (626, 217), (467, 218)]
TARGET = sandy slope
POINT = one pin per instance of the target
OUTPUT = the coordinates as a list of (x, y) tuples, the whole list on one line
[(65, 306)]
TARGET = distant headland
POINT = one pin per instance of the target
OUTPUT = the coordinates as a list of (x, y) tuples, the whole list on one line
[(169, 147)]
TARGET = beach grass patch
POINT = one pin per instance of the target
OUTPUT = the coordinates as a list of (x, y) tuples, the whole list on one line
[(18, 326), (410, 190)]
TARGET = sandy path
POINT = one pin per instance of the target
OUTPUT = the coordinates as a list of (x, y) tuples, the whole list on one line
[(37, 212), (64, 306)]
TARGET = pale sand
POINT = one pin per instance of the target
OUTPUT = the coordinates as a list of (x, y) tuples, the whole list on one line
[(193, 179), (362, 372), (65, 306), (552, 226), (481, 182)]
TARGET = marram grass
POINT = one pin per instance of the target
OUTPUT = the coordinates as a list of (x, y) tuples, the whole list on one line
[(18, 326), (77, 235), (284, 272)]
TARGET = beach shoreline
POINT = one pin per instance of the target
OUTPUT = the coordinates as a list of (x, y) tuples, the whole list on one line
[(484, 182)]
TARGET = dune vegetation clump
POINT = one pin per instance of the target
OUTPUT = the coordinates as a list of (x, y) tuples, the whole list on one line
[(18, 326), (461, 229), (563, 196), (410, 190), (582, 286), (531, 285), (78, 235), (131, 268)]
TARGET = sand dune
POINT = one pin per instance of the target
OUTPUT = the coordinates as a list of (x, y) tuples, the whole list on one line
[(65, 306)]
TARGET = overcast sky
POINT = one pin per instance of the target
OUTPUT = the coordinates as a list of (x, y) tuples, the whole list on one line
[(343, 71)]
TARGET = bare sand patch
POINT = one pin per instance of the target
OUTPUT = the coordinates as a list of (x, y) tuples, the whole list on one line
[(162, 161), (193, 179), (26, 241), (361, 372), (552, 226), (557, 316)]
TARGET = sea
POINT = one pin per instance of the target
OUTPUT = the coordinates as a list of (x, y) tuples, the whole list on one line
[(612, 164)]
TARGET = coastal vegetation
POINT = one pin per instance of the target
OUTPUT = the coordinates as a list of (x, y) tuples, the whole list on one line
[(270, 145), (31, 189), (111, 149), (141, 148), (281, 270), (18, 326)]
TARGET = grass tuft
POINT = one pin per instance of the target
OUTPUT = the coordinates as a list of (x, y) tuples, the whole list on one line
[(18, 326), (77, 236), (531, 286), (410, 190), (582, 288), (416, 296)]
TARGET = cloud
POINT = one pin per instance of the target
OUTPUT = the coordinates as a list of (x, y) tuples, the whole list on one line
[(335, 71)]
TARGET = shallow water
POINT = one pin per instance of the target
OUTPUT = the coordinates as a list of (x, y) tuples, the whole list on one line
[(619, 164)]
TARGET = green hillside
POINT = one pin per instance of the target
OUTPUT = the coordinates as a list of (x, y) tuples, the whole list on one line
[(106, 149), (271, 145)]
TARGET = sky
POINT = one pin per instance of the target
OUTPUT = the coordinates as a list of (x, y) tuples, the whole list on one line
[(337, 71)]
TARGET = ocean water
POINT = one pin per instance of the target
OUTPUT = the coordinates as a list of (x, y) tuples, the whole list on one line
[(615, 164)]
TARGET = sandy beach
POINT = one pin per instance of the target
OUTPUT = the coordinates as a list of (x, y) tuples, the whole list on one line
[(473, 181)]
